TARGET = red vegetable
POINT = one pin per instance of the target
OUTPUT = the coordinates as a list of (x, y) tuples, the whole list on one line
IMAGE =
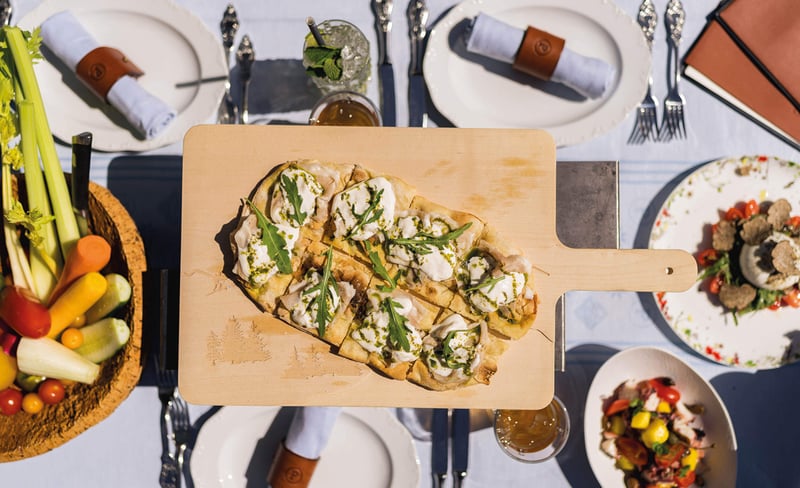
[(734, 213), (51, 391), (751, 208), (706, 257), (20, 309), (714, 284), (10, 401), (617, 406), (665, 392), (685, 481), (792, 298), (674, 454)]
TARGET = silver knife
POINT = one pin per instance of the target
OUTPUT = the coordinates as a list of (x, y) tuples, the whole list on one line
[(79, 183), (440, 432), (383, 22), (417, 25), (460, 445)]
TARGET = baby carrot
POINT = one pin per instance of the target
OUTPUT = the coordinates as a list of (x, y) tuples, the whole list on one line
[(91, 253), (75, 300)]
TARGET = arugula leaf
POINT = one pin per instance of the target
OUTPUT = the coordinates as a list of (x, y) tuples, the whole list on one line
[(397, 325), (488, 282), (324, 316), (293, 195), (448, 354), (421, 242), (378, 266), (721, 265), (271, 237), (370, 215)]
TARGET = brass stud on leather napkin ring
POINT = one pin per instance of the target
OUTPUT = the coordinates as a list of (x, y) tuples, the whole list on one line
[(539, 53), (102, 67), (290, 470)]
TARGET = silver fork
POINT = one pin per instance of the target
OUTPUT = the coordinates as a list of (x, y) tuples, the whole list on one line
[(646, 125), (181, 428), (673, 124), (167, 381)]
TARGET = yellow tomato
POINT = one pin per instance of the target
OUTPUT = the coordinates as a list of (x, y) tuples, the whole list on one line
[(31, 403), (624, 463), (663, 407), (690, 459), (640, 420), (72, 338), (656, 433), (8, 370)]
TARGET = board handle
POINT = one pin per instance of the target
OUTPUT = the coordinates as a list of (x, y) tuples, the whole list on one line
[(621, 270)]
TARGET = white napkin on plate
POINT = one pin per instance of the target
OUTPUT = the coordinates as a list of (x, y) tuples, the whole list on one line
[(310, 430), (63, 34), (591, 77)]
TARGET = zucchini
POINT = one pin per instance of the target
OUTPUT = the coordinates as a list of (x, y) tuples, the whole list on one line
[(103, 339), (117, 294), (46, 357)]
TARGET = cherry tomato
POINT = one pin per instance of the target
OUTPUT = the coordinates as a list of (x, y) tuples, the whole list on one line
[(776, 305), (685, 481), (633, 450), (20, 309), (734, 213), (714, 285), (674, 455), (32, 403), (10, 401), (664, 391), (751, 208), (72, 338), (794, 222), (707, 256), (792, 298), (617, 406), (51, 391)]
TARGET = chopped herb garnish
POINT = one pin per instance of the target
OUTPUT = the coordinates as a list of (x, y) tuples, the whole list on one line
[(378, 267), (421, 243), (397, 325), (483, 284), (272, 238), (370, 215), (293, 195), (661, 448), (324, 315)]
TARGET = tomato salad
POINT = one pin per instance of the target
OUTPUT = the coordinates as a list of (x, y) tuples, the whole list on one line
[(651, 435), (754, 259)]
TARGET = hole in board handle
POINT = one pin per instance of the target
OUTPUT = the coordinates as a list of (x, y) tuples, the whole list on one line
[(668, 270)]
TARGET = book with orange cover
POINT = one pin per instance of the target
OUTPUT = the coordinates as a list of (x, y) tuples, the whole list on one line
[(718, 64)]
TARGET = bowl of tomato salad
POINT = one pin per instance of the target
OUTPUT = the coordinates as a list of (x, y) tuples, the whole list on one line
[(652, 421)]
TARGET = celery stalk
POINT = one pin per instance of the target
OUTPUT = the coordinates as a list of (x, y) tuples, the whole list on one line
[(66, 224), (45, 256), (18, 261)]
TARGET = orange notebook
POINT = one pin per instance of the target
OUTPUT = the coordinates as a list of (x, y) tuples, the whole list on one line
[(718, 64)]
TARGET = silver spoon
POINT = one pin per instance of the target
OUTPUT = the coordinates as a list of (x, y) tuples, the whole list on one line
[(245, 56), (228, 112)]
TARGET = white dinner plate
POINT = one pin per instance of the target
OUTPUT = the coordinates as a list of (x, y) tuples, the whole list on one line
[(643, 363), (368, 448), (170, 44), (479, 92), (763, 339)]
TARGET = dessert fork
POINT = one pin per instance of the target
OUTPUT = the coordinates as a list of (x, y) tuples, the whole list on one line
[(646, 125), (673, 124)]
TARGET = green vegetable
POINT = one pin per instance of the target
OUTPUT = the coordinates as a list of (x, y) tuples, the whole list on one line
[(486, 283), (103, 339), (324, 62), (117, 293), (448, 354), (46, 357), (324, 315), (378, 267), (271, 237), (422, 242), (398, 325), (293, 195), (370, 215)]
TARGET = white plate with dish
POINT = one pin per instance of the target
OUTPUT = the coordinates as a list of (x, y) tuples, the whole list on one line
[(368, 448), (473, 91), (763, 339), (169, 43), (643, 363)]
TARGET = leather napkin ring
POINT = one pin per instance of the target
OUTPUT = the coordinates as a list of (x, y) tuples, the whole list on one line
[(102, 67), (538, 54), (289, 470)]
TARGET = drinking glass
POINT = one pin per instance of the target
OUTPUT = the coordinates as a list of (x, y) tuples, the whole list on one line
[(532, 436), (345, 108), (355, 60)]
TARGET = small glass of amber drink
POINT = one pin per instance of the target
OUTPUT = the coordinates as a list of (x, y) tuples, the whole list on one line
[(345, 108), (532, 436)]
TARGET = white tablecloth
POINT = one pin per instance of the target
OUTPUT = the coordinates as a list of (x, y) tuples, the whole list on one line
[(124, 449)]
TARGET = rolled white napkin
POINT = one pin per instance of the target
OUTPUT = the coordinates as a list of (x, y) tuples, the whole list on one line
[(70, 42), (310, 430), (591, 77)]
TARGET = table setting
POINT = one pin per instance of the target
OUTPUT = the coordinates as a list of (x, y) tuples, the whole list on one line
[(602, 151)]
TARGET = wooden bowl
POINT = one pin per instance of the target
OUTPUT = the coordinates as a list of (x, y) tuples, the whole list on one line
[(24, 435)]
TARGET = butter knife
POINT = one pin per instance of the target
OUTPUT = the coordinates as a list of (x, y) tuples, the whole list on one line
[(417, 22), (440, 436), (79, 184), (383, 23), (460, 446)]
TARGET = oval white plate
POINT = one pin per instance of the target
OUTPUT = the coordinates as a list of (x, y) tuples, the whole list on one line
[(764, 339), (472, 91), (642, 363), (368, 448), (166, 41)]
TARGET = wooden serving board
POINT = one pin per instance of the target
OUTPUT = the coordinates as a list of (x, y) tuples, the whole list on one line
[(232, 354)]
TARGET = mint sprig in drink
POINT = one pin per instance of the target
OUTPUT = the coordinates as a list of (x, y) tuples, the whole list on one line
[(343, 62)]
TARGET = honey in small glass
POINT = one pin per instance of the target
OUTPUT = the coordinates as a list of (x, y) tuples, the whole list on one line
[(532, 435), (345, 109)]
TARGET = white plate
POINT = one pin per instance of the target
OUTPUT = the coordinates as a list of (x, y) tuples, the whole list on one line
[(470, 95), (167, 42), (368, 448), (642, 363), (762, 339)]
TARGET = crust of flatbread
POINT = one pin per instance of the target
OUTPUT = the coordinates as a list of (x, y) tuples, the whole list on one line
[(494, 347), (350, 348), (344, 269)]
